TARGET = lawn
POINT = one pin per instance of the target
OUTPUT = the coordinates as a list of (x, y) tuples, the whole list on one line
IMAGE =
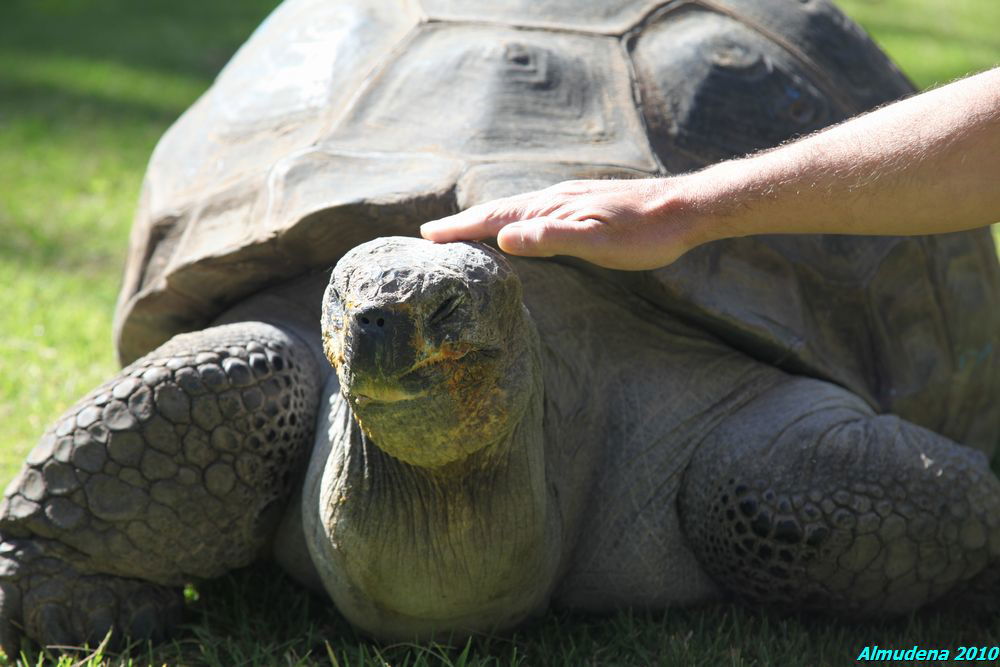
[(86, 88)]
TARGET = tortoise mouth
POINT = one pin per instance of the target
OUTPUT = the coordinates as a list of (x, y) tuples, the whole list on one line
[(387, 395), (439, 409), (446, 352), (421, 379)]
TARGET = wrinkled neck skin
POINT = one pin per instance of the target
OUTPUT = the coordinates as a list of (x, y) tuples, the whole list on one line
[(411, 553)]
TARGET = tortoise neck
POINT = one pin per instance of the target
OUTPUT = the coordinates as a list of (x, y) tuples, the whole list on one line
[(472, 545)]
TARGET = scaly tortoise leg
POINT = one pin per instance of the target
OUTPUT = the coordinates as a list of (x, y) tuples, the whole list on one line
[(48, 599), (806, 499), (177, 469)]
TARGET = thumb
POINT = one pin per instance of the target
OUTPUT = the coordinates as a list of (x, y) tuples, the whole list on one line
[(544, 237)]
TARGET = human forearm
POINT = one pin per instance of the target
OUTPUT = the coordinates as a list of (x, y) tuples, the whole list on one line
[(928, 164)]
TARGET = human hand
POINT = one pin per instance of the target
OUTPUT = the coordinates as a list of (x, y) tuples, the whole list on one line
[(618, 224)]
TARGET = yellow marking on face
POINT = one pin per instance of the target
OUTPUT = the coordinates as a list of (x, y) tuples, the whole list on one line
[(447, 351), (333, 346), (475, 394), (383, 394)]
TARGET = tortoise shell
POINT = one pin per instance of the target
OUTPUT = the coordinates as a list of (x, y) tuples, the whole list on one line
[(342, 121)]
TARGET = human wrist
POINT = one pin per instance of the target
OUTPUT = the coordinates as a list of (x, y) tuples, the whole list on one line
[(694, 207)]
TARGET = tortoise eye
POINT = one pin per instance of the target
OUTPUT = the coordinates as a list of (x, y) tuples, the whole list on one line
[(445, 310)]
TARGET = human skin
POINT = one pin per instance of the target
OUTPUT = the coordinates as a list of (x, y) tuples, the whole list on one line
[(924, 165)]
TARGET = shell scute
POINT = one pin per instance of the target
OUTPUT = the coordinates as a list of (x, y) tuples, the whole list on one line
[(599, 16), (854, 72), (712, 89), (485, 92)]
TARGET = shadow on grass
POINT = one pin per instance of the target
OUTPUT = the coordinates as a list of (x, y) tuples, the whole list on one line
[(182, 36), (47, 107), (259, 616), (86, 89)]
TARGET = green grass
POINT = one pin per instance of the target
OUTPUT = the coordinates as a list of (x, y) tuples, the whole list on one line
[(258, 617), (934, 42), (86, 88)]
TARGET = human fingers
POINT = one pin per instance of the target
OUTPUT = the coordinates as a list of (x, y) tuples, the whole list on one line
[(547, 236), (625, 248), (477, 222)]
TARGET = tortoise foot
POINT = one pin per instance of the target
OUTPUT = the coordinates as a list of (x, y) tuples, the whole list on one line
[(46, 598)]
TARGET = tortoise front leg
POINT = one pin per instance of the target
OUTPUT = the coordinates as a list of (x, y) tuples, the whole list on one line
[(45, 597), (177, 469), (807, 499)]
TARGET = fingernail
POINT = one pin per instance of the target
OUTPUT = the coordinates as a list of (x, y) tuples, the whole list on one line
[(513, 236)]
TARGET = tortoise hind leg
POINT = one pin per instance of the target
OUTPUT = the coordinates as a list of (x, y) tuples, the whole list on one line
[(177, 469), (807, 499)]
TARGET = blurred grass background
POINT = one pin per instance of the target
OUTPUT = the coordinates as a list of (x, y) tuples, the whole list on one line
[(86, 89)]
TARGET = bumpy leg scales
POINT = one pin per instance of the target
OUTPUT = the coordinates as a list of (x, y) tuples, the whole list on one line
[(807, 499), (176, 469), (66, 607)]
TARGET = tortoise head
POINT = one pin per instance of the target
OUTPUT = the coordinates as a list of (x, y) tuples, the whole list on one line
[(432, 345)]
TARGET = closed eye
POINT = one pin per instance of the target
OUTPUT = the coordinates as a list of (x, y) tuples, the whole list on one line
[(443, 311)]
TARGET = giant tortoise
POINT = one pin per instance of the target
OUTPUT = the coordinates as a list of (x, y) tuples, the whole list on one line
[(447, 441)]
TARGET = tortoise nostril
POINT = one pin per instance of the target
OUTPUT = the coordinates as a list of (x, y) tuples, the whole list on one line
[(377, 320), (381, 341)]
